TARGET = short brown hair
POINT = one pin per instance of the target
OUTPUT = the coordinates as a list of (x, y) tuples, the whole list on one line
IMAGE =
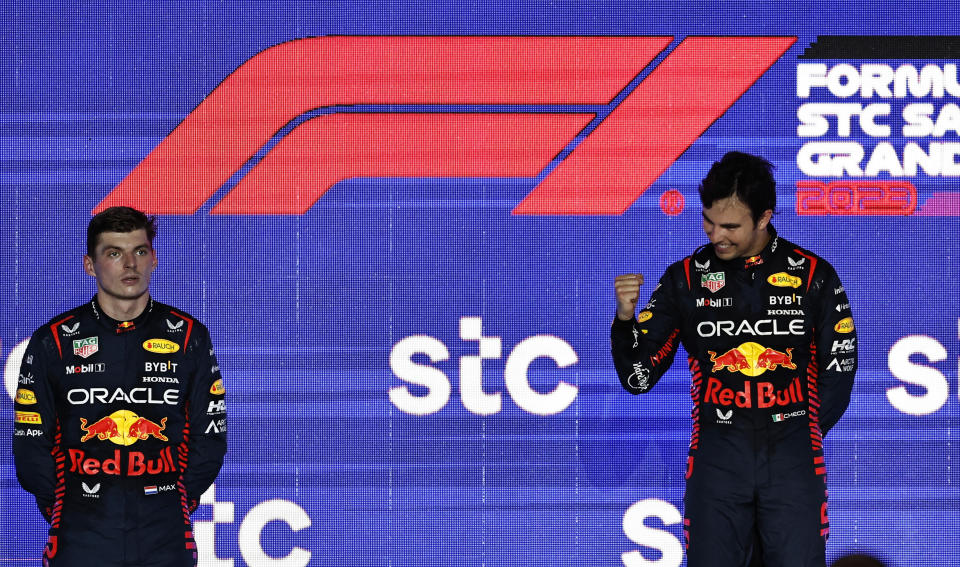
[(118, 219)]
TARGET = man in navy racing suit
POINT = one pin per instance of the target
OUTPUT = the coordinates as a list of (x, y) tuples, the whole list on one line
[(120, 423), (772, 353)]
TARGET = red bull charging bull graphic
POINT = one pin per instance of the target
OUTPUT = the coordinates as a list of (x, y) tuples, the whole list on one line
[(769, 359), (123, 427), (752, 359)]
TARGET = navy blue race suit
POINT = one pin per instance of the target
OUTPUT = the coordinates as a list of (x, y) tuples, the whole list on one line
[(772, 354), (119, 428)]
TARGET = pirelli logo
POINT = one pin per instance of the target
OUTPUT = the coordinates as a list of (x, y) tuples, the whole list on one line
[(28, 417)]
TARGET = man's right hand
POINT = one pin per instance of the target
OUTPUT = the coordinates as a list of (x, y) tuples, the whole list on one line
[(628, 291)]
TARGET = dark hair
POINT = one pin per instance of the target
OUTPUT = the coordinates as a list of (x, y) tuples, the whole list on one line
[(118, 219), (748, 177)]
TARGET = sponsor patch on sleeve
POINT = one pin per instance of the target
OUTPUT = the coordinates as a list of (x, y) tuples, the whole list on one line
[(845, 325), (25, 397), (30, 417)]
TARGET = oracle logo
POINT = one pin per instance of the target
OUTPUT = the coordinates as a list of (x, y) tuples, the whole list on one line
[(763, 327)]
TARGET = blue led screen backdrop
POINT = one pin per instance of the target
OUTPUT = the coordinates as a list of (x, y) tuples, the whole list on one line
[(402, 225)]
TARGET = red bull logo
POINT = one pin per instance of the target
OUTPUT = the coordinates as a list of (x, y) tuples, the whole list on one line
[(103, 429), (752, 359), (733, 360), (142, 429), (123, 427), (769, 359), (754, 394), (136, 463)]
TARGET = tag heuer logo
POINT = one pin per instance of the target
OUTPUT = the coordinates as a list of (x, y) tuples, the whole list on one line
[(713, 281), (85, 347)]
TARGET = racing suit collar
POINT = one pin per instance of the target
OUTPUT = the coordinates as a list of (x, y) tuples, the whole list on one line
[(766, 254), (120, 326)]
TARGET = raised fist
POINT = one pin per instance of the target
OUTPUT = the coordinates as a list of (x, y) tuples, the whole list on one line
[(628, 291)]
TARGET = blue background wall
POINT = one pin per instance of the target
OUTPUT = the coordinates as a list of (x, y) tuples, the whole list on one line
[(306, 310)]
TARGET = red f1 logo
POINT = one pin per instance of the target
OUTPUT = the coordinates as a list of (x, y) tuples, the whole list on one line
[(603, 174)]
